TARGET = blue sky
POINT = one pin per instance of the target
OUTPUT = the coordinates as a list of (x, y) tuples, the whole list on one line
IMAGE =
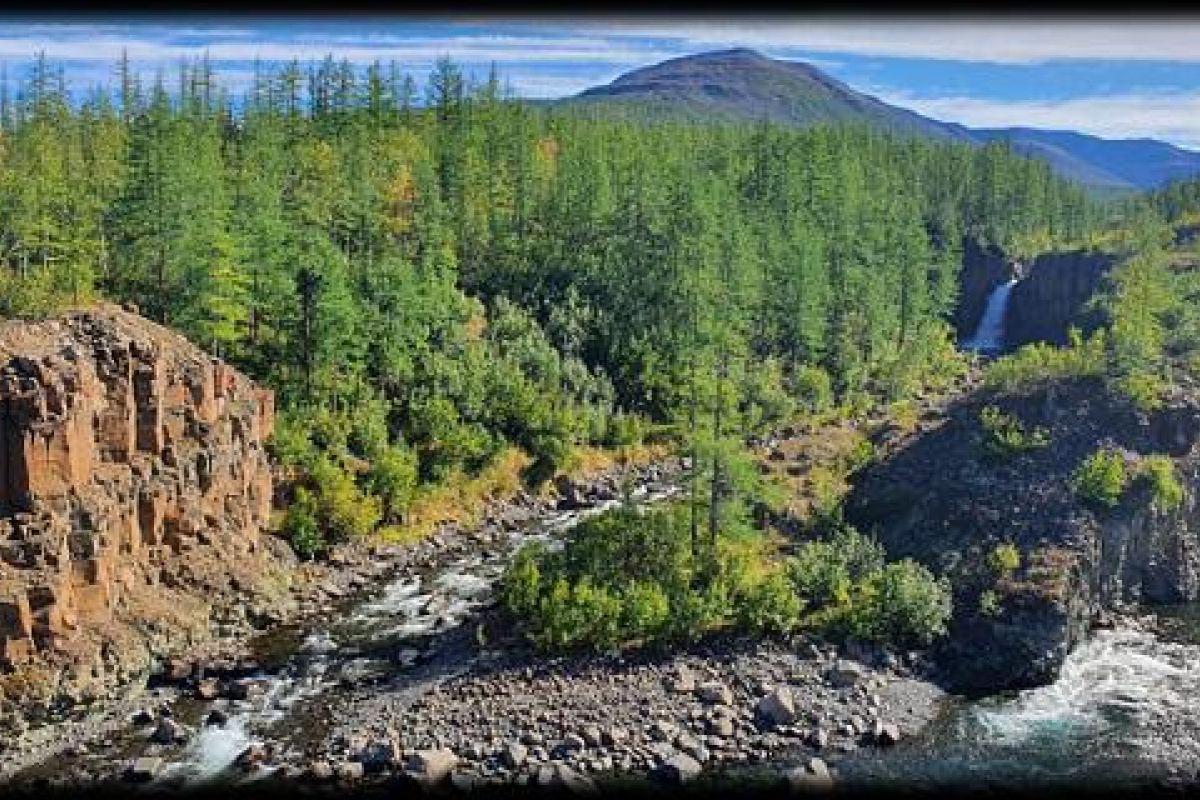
[(1118, 78)]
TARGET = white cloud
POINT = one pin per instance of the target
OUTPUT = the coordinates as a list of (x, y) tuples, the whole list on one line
[(1170, 116), (998, 40), (502, 49)]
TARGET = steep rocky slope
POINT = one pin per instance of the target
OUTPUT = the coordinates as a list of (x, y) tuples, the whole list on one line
[(134, 489), (941, 500), (1053, 296)]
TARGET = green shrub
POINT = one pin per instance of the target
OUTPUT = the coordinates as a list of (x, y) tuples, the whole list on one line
[(1100, 480), (302, 527), (624, 429), (912, 606), (1004, 559), (771, 605), (989, 603), (345, 510), (645, 610), (1167, 493), (522, 582), (1144, 390), (812, 388), (819, 576), (1004, 435), (393, 479), (1038, 362)]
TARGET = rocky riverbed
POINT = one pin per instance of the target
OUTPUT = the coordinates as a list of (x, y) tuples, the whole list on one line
[(396, 666)]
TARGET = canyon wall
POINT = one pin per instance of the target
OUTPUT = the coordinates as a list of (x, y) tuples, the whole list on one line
[(943, 500), (134, 490), (1053, 296)]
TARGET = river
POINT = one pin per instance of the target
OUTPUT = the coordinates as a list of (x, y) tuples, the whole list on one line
[(1120, 716)]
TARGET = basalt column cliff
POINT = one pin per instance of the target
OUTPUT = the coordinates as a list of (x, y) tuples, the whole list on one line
[(134, 487)]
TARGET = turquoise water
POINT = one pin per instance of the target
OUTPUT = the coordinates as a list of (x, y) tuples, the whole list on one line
[(1122, 714)]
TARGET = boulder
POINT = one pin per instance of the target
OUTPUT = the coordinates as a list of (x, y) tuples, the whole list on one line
[(514, 754), (252, 757), (715, 693), (845, 674), (778, 707), (811, 777), (680, 768), (430, 767), (169, 731), (886, 734), (144, 769)]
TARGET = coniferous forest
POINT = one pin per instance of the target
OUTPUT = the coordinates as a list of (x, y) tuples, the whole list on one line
[(720, 424), (447, 286)]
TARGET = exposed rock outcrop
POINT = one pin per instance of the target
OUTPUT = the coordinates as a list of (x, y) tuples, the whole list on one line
[(941, 500), (1053, 296), (134, 487)]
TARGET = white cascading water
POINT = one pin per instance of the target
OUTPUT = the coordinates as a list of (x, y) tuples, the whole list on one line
[(989, 336), (407, 608), (1119, 677)]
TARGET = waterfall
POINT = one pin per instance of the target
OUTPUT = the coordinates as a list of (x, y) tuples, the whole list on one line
[(989, 336)]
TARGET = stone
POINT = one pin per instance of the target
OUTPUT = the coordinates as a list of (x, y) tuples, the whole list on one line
[(430, 767), (144, 769), (715, 693), (320, 771), (252, 757), (721, 726), (845, 674), (777, 707), (169, 731), (592, 736), (683, 682), (812, 777), (514, 755), (663, 731), (380, 754), (680, 768), (208, 689), (216, 717), (886, 734), (348, 771), (615, 735)]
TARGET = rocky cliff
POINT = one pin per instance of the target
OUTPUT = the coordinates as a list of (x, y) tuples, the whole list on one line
[(134, 489), (944, 501), (1053, 296)]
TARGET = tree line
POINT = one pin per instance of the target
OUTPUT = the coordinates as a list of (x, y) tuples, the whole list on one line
[(430, 277)]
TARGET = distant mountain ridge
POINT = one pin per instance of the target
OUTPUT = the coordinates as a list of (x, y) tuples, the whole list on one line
[(742, 84)]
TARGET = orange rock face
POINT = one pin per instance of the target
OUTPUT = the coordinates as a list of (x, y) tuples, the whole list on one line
[(132, 465)]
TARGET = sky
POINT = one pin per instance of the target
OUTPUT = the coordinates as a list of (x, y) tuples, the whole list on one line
[(1117, 78)]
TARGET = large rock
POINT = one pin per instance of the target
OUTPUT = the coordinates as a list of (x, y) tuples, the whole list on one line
[(134, 485), (811, 777), (430, 767), (777, 707), (680, 768), (144, 769)]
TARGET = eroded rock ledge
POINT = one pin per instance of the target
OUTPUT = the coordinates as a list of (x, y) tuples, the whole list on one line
[(134, 487), (941, 500)]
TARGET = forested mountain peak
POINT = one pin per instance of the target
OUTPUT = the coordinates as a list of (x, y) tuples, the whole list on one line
[(744, 84)]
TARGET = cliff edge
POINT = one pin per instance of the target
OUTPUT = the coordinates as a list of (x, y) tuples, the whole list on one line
[(134, 490)]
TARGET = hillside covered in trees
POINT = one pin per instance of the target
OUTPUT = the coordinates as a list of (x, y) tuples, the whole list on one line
[(435, 283)]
